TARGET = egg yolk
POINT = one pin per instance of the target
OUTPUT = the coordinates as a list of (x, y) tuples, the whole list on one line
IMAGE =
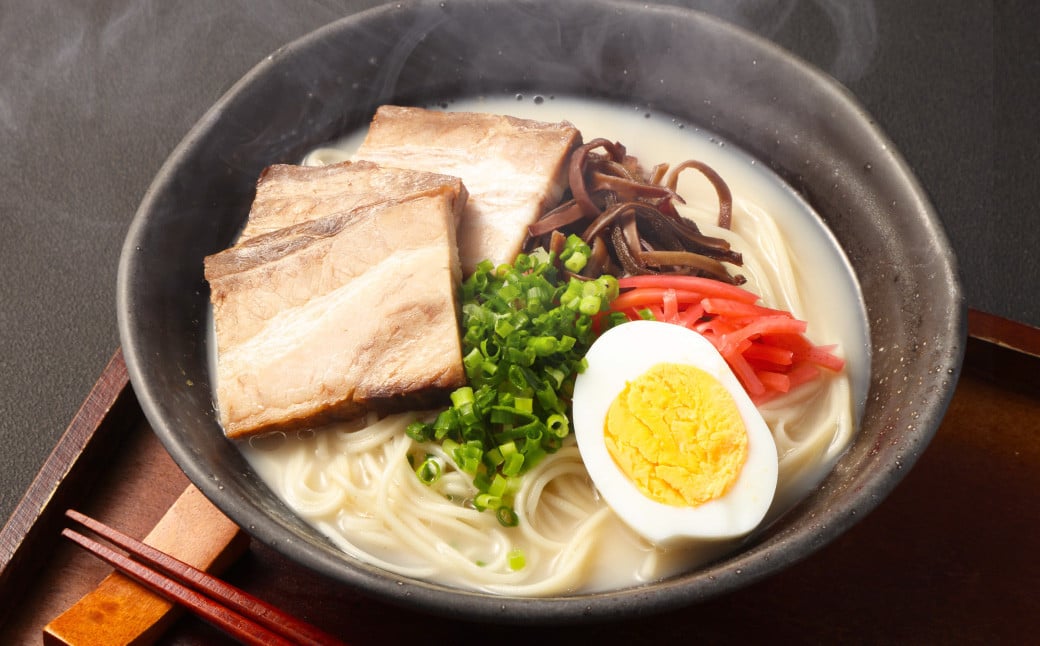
[(677, 434)]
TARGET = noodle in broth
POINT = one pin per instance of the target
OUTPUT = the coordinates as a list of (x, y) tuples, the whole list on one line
[(354, 482)]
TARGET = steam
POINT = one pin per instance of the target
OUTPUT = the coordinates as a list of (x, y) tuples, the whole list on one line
[(145, 55), (71, 53), (851, 28), (855, 27), (33, 66)]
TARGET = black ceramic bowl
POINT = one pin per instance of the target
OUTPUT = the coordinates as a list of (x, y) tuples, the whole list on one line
[(747, 91)]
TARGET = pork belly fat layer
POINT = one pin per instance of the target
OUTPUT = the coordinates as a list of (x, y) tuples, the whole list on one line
[(514, 169), (332, 318), (287, 194)]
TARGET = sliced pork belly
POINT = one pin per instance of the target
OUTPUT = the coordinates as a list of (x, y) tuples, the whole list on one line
[(514, 169), (337, 316), (287, 195)]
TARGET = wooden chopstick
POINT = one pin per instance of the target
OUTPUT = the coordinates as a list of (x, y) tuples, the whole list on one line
[(238, 613)]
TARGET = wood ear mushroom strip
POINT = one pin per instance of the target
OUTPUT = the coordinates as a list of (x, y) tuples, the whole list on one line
[(120, 611)]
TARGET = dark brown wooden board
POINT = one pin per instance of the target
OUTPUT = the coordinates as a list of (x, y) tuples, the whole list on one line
[(65, 478), (947, 558)]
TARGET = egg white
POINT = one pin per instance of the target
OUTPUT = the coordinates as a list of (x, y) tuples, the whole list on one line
[(620, 355)]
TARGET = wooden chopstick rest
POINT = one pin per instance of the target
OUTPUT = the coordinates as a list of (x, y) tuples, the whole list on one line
[(235, 611), (121, 611)]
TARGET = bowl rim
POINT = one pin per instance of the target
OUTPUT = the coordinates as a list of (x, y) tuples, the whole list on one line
[(725, 576)]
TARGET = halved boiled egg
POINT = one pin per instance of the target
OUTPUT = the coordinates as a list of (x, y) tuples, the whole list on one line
[(670, 438)]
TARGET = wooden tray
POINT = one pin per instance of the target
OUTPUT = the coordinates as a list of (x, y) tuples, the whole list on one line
[(949, 557)]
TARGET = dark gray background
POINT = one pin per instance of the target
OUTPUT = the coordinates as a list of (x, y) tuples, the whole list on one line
[(94, 95)]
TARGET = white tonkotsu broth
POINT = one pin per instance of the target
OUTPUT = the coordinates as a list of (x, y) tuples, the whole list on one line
[(353, 481)]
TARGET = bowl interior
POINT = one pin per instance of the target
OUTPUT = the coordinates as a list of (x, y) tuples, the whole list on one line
[(801, 124)]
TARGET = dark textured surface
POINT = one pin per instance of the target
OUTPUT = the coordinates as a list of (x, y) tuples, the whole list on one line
[(94, 96)]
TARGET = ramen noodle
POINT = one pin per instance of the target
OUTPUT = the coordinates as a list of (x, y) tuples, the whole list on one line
[(355, 482)]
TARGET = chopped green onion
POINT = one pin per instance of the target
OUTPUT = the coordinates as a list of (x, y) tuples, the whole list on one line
[(508, 292), (516, 559), (485, 501), (558, 425), (512, 464), (450, 446), (558, 375), (543, 346), (534, 432), (429, 471), (548, 399), (494, 457), (419, 431), (446, 420), (498, 486), (481, 481), (463, 395), (525, 334), (506, 516), (576, 262), (524, 404), (609, 285), (517, 377), (503, 327), (533, 454)]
